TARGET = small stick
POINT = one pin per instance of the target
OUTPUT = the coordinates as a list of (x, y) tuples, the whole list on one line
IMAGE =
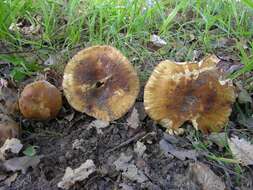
[(128, 141)]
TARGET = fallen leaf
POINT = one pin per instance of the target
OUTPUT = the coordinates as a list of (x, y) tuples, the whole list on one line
[(205, 177), (99, 124), (122, 162), (157, 41), (139, 148), (244, 97), (3, 83), (79, 174), (11, 179), (13, 145), (134, 174), (242, 150), (70, 117), (133, 121), (124, 186), (181, 154), (52, 60), (247, 122), (8, 100), (8, 128), (219, 139), (2, 177), (129, 170), (21, 163)]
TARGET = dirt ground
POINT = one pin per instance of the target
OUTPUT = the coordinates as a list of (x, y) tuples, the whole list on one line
[(55, 140)]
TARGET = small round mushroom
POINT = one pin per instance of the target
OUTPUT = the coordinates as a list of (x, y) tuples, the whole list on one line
[(179, 92), (100, 82), (40, 100), (8, 129)]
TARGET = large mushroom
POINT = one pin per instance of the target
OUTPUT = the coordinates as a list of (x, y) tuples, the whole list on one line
[(40, 100), (195, 92), (100, 82)]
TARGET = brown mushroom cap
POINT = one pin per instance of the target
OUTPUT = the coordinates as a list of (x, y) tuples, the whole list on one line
[(100, 82), (8, 129), (180, 92), (40, 100)]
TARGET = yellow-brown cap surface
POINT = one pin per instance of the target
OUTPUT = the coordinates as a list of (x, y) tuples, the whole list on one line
[(100, 82), (40, 100), (180, 92)]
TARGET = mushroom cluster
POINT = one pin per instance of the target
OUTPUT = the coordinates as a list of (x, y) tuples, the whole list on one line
[(189, 92), (101, 82)]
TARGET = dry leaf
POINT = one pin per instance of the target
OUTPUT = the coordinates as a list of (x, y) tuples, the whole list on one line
[(242, 150), (244, 97), (99, 125), (2, 177), (79, 174), (8, 99), (139, 148), (11, 179), (22, 163), (129, 170), (205, 177), (13, 145), (247, 122), (133, 121), (3, 83), (157, 41), (124, 186), (218, 138), (180, 154)]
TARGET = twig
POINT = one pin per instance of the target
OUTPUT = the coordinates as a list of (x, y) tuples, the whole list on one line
[(132, 139)]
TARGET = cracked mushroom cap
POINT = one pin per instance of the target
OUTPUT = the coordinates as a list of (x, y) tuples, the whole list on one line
[(100, 82), (180, 92), (40, 100)]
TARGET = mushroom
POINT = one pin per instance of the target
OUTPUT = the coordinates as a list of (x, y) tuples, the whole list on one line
[(179, 92), (100, 82), (40, 100), (8, 129)]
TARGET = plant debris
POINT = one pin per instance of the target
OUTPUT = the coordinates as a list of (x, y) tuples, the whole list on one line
[(11, 179), (13, 145), (242, 150), (205, 177), (8, 128), (133, 120), (157, 41), (79, 174), (99, 125), (139, 148), (21, 163), (219, 139), (129, 170), (181, 154)]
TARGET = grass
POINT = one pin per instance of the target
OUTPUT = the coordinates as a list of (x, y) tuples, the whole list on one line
[(187, 26)]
